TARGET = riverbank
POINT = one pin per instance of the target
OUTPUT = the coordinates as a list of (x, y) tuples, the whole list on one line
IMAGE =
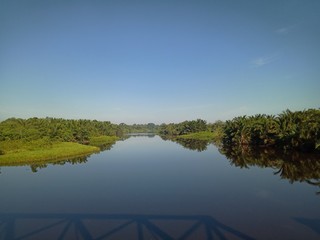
[(56, 151), (204, 136), (42, 150), (103, 140)]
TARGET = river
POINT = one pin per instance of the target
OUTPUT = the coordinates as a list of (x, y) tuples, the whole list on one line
[(148, 188)]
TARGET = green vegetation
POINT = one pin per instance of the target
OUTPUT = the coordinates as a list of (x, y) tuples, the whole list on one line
[(298, 130), (56, 129), (206, 136), (193, 135), (186, 127), (198, 135), (193, 130), (198, 141), (41, 139), (103, 140), (138, 128), (17, 151), (289, 130)]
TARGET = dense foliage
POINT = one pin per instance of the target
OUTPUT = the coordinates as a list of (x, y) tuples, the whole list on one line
[(55, 129), (139, 128), (186, 127), (289, 130), (196, 130)]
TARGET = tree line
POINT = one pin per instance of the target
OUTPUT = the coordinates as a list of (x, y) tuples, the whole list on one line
[(56, 129), (139, 128), (289, 130), (66, 130), (186, 127)]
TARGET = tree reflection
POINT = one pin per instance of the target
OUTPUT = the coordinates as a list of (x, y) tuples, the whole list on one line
[(150, 135), (106, 147), (35, 167), (293, 166), (192, 144)]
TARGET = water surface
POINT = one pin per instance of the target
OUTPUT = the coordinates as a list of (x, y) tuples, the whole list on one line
[(147, 188)]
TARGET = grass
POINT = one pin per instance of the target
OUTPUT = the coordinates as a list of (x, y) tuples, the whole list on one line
[(206, 136), (41, 150), (103, 140), (14, 146)]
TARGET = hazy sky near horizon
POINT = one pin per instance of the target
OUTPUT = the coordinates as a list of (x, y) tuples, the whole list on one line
[(158, 61)]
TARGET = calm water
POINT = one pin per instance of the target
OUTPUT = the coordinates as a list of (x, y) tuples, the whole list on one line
[(148, 188)]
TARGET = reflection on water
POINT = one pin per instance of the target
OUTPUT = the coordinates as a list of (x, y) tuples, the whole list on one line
[(191, 144), (114, 226), (293, 166), (150, 135), (35, 167), (147, 188), (107, 146), (198, 145)]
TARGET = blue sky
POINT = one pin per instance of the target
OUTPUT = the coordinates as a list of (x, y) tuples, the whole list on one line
[(158, 61)]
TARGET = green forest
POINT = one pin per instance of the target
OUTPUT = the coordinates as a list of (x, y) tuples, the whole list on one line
[(42, 139), (299, 130), (55, 129), (289, 130), (196, 129)]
